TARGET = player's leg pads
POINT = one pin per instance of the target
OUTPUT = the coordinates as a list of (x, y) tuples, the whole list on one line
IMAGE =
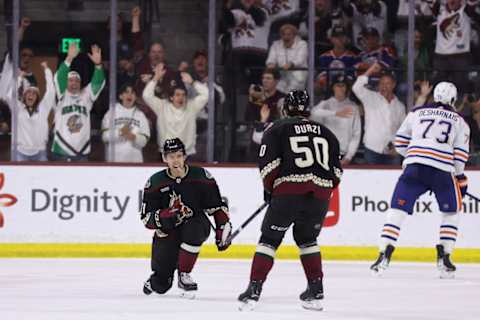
[(312, 297), (311, 260), (445, 266), (249, 298), (262, 261), (391, 228), (383, 260), (449, 231)]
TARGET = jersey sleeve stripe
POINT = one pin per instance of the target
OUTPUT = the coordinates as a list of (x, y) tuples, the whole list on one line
[(460, 149), (460, 160), (403, 137)]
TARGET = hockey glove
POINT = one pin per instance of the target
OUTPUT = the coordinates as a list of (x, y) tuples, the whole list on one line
[(167, 218), (462, 183), (223, 230), (222, 235)]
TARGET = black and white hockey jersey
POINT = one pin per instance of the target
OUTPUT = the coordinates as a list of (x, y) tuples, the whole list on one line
[(299, 156)]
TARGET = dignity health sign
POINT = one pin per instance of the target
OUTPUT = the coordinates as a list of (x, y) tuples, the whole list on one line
[(100, 204)]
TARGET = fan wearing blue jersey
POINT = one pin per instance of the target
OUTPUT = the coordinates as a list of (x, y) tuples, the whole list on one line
[(434, 141)]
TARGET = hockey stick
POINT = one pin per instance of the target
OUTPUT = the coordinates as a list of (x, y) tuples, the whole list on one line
[(472, 196), (249, 219)]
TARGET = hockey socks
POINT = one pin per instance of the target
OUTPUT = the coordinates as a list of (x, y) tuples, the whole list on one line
[(449, 231), (311, 261), (391, 228), (187, 256), (262, 262)]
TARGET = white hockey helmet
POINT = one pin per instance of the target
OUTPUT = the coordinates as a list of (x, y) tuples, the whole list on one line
[(445, 92)]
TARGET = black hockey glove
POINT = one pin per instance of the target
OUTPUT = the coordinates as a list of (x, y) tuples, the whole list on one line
[(462, 183), (167, 218)]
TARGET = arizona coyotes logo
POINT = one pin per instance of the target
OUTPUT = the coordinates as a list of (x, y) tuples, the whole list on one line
[(177, 203), (245, 28), (74, 123), (449, 25)]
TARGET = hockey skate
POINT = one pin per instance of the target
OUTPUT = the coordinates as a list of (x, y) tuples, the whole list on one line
[(147, 287), (187, 285), (312, 297), (383, 261), (444, 264), (248, 299)]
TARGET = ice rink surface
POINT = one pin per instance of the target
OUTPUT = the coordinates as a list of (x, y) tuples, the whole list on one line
[(101, 289)]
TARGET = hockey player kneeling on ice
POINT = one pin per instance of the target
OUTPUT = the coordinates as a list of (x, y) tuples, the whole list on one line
[(175, 201), (434, 141), (299, 163)]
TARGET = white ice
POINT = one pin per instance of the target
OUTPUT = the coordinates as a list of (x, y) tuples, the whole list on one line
[(102, 289)]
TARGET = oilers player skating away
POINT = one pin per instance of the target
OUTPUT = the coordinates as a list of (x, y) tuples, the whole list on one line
[(299, 163), (175, 201), (434, 139)]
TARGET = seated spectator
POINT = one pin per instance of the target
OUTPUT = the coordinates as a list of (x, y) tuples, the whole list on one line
[(287, 54), (375, 53), (146, 68), (32, 112), (126, 67), (71, 141), (452, 57), (384, 114), (366, 14), (176, 116), (131, 130), (341, 60), (341, 116), (265, 95)]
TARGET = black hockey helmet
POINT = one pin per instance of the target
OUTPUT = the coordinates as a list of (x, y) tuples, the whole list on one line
[(173, 145), (297, 103)]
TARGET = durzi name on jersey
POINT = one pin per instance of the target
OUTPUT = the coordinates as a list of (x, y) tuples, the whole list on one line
[(442, 113), (306, 128)]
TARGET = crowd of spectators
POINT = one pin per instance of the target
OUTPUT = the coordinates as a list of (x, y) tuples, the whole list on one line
[(360, 80)]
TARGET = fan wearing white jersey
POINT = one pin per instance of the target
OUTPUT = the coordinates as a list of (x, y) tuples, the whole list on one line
[(131, 130), (32, 111), (434, 139), (71, 141)]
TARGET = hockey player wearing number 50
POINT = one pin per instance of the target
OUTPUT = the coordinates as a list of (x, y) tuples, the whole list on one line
[(71, 140), (434, 141), (299, 163), (175, 201)]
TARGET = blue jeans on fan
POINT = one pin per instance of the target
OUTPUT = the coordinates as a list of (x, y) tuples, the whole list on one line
[(40, 156)]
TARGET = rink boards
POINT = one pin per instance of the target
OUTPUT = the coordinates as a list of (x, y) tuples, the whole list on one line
[(92, 211)]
